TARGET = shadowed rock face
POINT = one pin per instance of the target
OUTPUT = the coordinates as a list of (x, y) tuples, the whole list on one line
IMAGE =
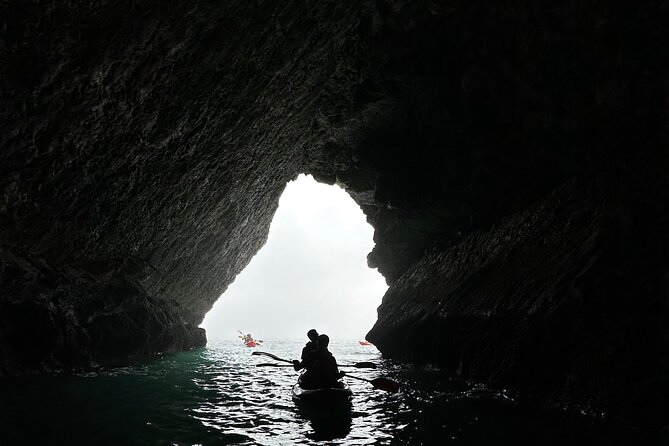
[(552, 301), (511, 158)]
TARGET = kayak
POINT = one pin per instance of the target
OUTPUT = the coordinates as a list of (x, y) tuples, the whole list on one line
[(329, 396), (364, 343), (248, 340)]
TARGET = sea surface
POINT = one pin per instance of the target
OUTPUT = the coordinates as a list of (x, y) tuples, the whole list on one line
[(219, 396)]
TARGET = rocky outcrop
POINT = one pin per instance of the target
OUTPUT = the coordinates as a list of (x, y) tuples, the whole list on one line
[(511, 157), (83, 317), (562, 301)]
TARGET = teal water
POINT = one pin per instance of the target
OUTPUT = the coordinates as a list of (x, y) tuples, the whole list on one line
[(217, 396)]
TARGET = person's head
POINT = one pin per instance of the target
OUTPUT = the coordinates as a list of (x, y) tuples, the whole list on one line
[(312, 335), (323, 341)]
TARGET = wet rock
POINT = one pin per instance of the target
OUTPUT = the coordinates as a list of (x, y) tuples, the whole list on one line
[(53, 319), (552, 301)]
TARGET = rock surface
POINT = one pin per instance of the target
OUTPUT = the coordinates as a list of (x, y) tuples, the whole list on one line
[(551, 301), (511, 156)]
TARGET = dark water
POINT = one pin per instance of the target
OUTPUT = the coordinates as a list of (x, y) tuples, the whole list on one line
[(217, 396)]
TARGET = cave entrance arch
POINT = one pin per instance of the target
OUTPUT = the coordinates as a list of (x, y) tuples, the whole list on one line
[(312, 272)]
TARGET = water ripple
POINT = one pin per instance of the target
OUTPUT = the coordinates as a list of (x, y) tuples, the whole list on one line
[(217, 396)]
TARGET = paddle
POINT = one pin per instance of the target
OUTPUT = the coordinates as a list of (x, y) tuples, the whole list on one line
[(385, 384), (357, 365), (256, 353), (378, 383), (360, 365)]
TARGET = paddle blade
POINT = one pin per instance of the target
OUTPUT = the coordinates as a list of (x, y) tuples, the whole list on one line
[(364, 365), (269, 355), (386, 385)]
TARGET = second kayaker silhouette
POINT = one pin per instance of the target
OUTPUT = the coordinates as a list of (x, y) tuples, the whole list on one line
[(320, 364)]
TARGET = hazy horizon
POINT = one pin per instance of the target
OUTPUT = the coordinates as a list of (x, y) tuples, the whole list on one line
[(311, 273)]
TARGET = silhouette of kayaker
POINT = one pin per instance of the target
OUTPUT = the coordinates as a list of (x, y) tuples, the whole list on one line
[(311, 345), (321, 367)]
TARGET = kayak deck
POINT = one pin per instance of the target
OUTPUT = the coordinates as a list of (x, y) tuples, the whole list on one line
[(329, 396)]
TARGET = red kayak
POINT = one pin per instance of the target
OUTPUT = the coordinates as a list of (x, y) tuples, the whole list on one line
[(364, 343), (251, 344)]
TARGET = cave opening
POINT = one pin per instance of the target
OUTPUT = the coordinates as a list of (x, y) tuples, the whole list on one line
[(311, 272)]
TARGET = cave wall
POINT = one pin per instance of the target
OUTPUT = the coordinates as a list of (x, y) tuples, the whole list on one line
[(564, 301), (511, 157), (521, 223), (145, 146)]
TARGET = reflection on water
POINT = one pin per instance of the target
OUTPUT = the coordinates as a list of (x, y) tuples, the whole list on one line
[(327, 426), (217, 396)]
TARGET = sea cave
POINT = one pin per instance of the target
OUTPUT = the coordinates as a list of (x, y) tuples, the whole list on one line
[(511, 157)]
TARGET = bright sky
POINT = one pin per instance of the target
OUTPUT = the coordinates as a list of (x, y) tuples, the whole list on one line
[(311, 273)]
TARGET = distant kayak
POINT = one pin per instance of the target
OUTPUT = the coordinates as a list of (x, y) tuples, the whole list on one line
[(364, 343), (325, 397), (248, 340)]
